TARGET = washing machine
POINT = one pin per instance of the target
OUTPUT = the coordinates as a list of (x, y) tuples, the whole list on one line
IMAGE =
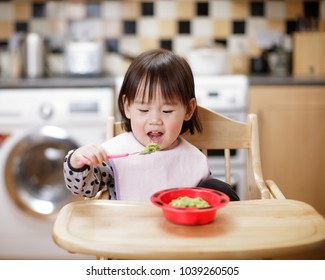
[(38, 127)]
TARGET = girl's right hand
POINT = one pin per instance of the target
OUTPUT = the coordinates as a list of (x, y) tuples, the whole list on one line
[(91, 154)]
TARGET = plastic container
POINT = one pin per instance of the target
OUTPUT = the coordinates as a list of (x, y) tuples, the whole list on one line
[(190, 216)]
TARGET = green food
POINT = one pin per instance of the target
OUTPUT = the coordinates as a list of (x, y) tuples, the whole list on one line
[(188, 202), (151, 148)]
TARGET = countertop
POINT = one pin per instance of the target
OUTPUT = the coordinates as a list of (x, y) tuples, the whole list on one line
[(109, 81), (57, 82), (287, 80)]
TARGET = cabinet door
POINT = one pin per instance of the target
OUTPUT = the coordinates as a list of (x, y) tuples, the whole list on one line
[(292, 138)]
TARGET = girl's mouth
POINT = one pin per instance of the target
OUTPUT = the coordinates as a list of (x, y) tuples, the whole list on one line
[(155, 136)]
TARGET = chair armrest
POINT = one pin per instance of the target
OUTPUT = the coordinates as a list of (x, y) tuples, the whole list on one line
[(274, 190)]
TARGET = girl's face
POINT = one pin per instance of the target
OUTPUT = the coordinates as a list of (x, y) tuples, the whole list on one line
[(157, 121)]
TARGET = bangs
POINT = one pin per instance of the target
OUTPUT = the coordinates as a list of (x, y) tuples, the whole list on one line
[(167, 83)]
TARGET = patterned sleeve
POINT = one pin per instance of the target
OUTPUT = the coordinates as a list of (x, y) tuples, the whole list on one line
[(88, 180)]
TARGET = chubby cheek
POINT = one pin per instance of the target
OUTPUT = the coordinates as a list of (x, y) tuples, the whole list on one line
[(173, 129), (138, 129)]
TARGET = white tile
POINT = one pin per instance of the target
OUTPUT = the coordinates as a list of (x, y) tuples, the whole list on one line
[(41, 26), (148, 27), (86, 29), (75, 10), (56, 10), (166, 9), (287, 42), (130, 45), (255, 25), (220, 9), (112, 28), (6, 11), (111, 9), (202, 27), (275, 10), (237, 45), (114, 64), (183, 44)]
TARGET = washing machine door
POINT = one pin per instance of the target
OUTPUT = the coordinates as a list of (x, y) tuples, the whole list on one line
[(33, 169)]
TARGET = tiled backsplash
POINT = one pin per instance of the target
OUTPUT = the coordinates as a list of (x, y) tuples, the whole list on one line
[(130, 27)]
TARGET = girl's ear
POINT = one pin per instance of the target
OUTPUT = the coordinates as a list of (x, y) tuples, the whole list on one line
[(190, 109), (126, 107)]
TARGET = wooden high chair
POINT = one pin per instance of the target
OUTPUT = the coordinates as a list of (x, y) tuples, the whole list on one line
[(220, 132), (101, 228)]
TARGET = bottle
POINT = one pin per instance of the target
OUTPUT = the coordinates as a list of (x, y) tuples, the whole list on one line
[(34, 56)]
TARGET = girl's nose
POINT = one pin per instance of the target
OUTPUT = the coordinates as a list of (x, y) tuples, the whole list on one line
[(155, 118)]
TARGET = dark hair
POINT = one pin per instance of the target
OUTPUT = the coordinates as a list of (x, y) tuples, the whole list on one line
[(170, 72)]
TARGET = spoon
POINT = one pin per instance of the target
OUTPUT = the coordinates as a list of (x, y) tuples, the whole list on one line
[(150, 148)]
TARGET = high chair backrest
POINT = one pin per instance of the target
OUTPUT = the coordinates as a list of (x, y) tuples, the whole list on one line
[(221, 132)]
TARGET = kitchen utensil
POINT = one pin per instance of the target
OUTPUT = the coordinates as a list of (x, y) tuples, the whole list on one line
[(124, 155), (208, 60), (150, 148), (34, 53), (279, 61), (79, 162), (259, 65), (84, 58), (190, 216)]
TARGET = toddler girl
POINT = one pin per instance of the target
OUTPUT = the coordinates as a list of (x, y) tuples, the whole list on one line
[(157, 104)]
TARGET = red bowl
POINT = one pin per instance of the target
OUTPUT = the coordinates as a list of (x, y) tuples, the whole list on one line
[(190, 216)]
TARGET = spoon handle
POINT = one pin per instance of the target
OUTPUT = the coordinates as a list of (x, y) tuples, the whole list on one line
[(118, 155)]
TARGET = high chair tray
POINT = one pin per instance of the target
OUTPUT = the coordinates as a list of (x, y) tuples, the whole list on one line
[(254, 229)]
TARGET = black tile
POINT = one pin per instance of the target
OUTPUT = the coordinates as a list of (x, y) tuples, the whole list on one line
[(129, 27), (222, 42), (291, 26), (21, 26), (93, 10), (184, 27), (39, 10), (166, 44), (311, 9), (111, 45), (238, 27), (3, 44), (57, 50), (257, 9), (147, 8), (202, 8)]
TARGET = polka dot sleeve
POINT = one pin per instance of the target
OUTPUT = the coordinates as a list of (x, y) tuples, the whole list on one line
[(88, 180)]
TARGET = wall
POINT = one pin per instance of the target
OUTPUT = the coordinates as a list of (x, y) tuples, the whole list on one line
[(244, 26)]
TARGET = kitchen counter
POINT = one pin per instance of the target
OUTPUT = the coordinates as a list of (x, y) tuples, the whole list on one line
[(265, 80), (109, 81), (58, 82)]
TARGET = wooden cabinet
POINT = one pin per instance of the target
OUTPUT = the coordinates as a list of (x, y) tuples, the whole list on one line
[(308, 53), (292, 139)]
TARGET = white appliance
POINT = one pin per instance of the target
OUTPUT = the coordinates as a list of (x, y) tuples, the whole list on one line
[(228, 95), (37, 128)]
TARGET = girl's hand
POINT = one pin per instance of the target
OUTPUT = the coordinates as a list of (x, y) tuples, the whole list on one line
[(91, 154)]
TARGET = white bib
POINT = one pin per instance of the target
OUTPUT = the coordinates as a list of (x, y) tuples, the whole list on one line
[(137, 177)]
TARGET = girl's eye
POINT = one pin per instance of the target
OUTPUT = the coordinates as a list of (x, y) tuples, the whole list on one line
[(167, 111), (143, 110)]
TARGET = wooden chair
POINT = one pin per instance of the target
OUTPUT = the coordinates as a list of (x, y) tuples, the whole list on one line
[(220, 132)]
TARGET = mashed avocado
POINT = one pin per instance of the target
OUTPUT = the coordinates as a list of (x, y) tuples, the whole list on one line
[(150, 148), (187, 202)]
